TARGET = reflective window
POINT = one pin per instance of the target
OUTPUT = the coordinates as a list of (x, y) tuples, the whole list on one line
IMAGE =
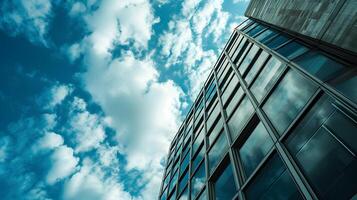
[(216, 152), (216, 111), (230, 87), (287, 100), (253, 32), (236, 96), (185, 163), (197, 159), (272, 182), (223, 72), (266, 35), (185, 194), (211, 90), (256, 147), (248, 59), (292, 50), (277, 41), (198, 140), (316, 145), (240, 117), (256, 67), (347, 85), (240, 49), (244, 24), (215, 130), (173, 181), (236, 43), (242, 53), (198, 180), (253, 25), (225, 79), (164, 195), (224, 186), (319, 65), (183, 181), (203, 195), (267, 78)]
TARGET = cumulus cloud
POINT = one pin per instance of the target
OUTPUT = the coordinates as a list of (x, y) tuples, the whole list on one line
[(30, 18), (63, 164), (49, 141)]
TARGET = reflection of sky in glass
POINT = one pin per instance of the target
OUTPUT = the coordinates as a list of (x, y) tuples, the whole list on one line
[(237, 96), (256, 66), (173, 181), (198, 180), (203, 195), (183, 181), (216, 152), (185, 194), (266, 77), (292, 50), (288, 99), (255, 148), (225, 187), (246, 48), (232, 84), (248, 59), (234, 46), (240, 117), (241, 44), (198, 158), (266, 35), (216, 111), (215, 131)]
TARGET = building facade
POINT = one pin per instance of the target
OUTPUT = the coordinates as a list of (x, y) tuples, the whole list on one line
[(276, 119)]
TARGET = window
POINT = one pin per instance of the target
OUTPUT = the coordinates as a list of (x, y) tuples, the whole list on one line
[(288, 99), (235, 98), (226, 78), (203, 195), (198, 140), (250, 27), (272, 182), (242, 54), (256, 67), (198, 158), (225, 187), (185, 163), (236, 43), (266, 78), (216, 152), (347, 85), (244, 24), (255, 148), (185, 194), (215, 130), (253, 32), (212, 105), (224, 69), (248, 59), (183, 182), (211, 90), (277, 41), (324, 145), (163, 196), (216, 111), (266, 35), (240, 117), (230, 87), (173, 182), (319, 65), (292, 50), (198, 180)]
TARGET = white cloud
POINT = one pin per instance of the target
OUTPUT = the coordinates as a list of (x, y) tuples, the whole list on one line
[(63, 164), (57, 94), (49, 141), (30, 18), (203, 17)]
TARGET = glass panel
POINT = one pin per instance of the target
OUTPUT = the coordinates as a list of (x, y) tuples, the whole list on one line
[(256, 66), (255, 149), (185, 162), (266, 35), (237, 95), (242, 54), (215, 130), (185, 194), (319, 65), (173, 181), (225, 80), (225, 187), (216, 152), (241, 116), (292, 50), (198, 158), (244, 24), (164, 195), (248, 59), (250, 27), (216, 111), (224, 74), (183, 182), (236, 43), (328, 165), (198, 140), (277, 41), (241, 48), (267, 78), (198, 180), (255, 30), (272, 182), (347, 86), (226, 93), (203, 195), (287, 100)]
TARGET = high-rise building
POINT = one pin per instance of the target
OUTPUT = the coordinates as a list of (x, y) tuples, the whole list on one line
[(277, 116)]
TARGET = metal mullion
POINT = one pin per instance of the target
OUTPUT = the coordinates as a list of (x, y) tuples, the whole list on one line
[(205, 136), (302, 184), (234, 159)]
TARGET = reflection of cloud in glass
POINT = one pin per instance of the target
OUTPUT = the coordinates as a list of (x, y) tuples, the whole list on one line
[(217, 150), (240, 117)]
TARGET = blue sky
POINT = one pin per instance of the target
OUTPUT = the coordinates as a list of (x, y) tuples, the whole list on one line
[(92, 92)]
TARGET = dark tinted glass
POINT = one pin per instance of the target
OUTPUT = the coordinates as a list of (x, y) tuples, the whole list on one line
[(255, 30), (216, 152), (292, 50), (240, 49), (215, 130), (266, 35), (277, 41), (248, 59), (203, 195), (287, 100), (183, 182), (272, 182), (236, 96), (173, 182), (242, 53), (198, 140), (316, 145), (228, 91), (266, 78), (319, 65), (225, 187), (255, 148), (185, 194), (256, 66), (198, 180), (347, 86), (164, 195), (240, 117), (185, 162), (198, 158)]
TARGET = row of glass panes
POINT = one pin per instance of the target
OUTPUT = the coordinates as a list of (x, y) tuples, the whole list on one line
[(290, 77)]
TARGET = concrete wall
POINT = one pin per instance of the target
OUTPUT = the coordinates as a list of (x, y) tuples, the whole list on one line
[(333, 21)]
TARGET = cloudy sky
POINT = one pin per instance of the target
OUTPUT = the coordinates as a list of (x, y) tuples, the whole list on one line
[(92, 92)]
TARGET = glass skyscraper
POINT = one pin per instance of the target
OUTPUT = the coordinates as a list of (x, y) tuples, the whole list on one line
[(276, 119)]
